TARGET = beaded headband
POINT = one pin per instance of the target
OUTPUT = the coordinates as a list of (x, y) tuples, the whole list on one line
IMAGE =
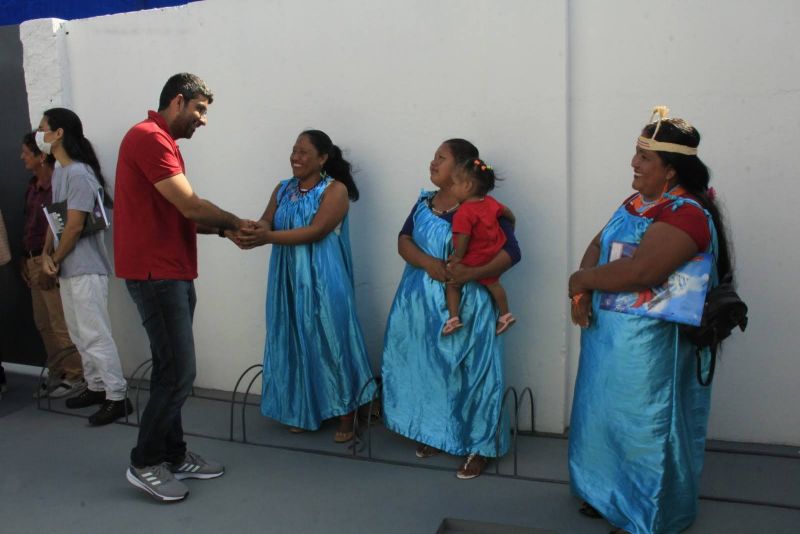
[(660, 146)]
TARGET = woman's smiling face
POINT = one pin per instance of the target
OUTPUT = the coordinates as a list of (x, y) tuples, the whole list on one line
[(305, 160), (650, 176)]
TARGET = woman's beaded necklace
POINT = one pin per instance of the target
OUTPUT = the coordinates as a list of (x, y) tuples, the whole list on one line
[(641, 205), (303, 191), (442, 212), (644, 205)]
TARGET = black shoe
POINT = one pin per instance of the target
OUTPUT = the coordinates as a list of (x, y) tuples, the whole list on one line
[(110, 411), (87, 398)]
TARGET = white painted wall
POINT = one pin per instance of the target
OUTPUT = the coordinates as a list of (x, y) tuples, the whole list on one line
[(388, 83), (553, 93)]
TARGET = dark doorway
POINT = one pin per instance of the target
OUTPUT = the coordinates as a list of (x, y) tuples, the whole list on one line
[(19, 339)]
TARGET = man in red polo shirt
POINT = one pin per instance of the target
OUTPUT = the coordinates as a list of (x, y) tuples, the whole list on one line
[(157, 218)]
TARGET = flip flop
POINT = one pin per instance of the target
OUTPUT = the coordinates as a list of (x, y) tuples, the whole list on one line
[(452, 324), (589, 511), (345, 431), (504, 322)]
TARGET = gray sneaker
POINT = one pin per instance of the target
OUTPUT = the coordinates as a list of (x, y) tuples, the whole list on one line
[(67, 388), (158, 481), (195, 466)]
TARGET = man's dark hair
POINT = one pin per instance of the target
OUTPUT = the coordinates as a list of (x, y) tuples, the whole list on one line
[(188, 85), (29, 140)]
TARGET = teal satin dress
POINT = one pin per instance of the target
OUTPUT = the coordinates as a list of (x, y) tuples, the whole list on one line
[(639, 415), (315, 361), (445, 392)]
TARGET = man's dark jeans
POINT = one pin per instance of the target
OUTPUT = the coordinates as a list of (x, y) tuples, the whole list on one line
[(167, 310)]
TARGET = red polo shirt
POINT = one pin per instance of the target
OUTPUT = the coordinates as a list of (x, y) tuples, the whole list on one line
[(152, 240)]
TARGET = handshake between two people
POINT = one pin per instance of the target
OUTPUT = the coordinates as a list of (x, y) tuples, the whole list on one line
[(250, 234)]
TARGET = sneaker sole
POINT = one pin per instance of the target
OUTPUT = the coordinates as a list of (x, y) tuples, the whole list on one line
[(67, 393), (150, 491), (62, 394), (201, 476)]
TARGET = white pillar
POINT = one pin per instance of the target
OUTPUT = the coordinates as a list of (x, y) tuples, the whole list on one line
[(46, 64)]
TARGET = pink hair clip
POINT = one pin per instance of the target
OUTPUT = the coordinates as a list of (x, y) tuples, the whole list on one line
[(711, 193)]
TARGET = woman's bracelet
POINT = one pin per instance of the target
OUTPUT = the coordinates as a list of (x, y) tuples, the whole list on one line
[(577, 297)]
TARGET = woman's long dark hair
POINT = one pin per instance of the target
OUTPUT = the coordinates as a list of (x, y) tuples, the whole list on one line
[(335, 166), (75, 144), (694, 176)]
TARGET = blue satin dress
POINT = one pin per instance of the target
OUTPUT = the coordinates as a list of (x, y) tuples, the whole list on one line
[(315, 361), (638, 427), (445, 392)]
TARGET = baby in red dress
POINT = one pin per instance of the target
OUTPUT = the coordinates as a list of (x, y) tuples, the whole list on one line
[(477, 238)]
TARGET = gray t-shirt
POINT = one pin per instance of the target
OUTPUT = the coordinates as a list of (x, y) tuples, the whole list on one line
[(77, 184)]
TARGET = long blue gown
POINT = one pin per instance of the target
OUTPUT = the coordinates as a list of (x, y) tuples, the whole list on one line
[(638, 426), (315, 361), (445, 392)]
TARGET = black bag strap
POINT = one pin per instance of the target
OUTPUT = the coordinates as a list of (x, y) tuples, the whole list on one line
[(710, 377)]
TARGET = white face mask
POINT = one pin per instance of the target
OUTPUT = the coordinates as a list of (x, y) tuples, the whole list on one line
[(43, 145)]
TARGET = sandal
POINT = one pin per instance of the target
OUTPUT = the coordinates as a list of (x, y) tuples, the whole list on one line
[(345, 431), (589, 511), (473, 467), (426, 451), (504, 322), (296, 430), (370, 417), (451, 325)]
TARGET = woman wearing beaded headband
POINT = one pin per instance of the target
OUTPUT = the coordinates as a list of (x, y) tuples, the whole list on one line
[(445, 393), (637, 432)]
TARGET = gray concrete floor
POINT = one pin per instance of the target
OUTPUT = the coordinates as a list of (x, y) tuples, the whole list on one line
[(57, 474)]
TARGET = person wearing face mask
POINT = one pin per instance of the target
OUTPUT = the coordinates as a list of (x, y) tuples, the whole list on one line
[(65, 373), (158, 217), (81, 264)]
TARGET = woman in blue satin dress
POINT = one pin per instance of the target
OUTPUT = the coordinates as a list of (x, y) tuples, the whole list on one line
[(637, 434), (445, 392), (315, 361)]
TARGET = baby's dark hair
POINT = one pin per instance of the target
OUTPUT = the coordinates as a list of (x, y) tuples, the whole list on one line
[(481, 173)]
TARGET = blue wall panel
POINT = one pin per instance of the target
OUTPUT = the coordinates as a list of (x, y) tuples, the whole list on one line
[(16, 11)]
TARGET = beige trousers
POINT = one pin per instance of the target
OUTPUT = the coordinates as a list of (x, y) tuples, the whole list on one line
[(63, 359)]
